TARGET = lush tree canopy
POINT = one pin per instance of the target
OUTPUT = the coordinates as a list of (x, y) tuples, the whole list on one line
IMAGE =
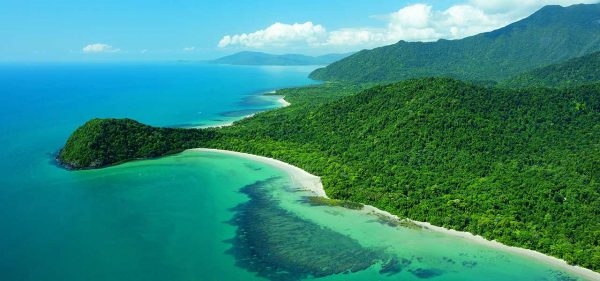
[(518, 166), (102, 142), (574, 72)]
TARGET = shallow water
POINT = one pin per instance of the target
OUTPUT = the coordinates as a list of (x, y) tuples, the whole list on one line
[(196, 215), (115, 224)]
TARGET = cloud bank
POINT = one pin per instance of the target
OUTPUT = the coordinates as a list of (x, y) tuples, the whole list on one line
[(279, 35), (99, 48), (416, 22)]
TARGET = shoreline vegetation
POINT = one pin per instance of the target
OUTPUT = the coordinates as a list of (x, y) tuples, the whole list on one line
[(429, 131), (288, 135), (281, 101), (312, 183)]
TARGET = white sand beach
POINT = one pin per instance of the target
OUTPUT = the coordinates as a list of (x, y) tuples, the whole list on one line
[(283, 102), (580, 271), (299, 177), (313, 184)]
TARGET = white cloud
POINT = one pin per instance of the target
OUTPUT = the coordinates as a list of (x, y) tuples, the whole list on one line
[(279, 35), (355, 37), (100, 48), (189, 49), (417, 22)]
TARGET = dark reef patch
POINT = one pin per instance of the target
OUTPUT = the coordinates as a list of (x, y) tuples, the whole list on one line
[(256, 100), (394, 266), (469, 264), (561, 276), (426, 273), (322, 201), (278, 245), (252, 167), (240, 113)]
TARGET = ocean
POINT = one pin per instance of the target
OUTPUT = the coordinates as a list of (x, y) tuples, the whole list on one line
[(195, 215)]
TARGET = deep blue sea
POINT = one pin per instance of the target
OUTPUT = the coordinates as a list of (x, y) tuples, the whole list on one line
[(195, 215)]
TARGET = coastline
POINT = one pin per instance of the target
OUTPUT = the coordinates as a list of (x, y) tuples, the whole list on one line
[(223, 124), (541, 257), (298, 176), (283, 103), (282, 100), (313, 184)]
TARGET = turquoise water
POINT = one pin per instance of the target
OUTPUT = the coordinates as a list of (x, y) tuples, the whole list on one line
[(192, 216)]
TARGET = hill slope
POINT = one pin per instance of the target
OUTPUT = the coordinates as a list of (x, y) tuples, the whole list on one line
[(102, 142), (257, 58), (551, 35), (573, 72), (520, 166)]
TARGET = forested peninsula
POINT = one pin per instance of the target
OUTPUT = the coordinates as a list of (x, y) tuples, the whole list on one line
[(518, 162), (518, 166)]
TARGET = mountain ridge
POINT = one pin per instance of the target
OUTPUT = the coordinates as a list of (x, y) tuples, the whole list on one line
[(550, 35)]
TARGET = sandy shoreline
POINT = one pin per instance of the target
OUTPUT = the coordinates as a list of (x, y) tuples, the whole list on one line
[(313, 183), (298, 176), (577, 270), (281, 101)]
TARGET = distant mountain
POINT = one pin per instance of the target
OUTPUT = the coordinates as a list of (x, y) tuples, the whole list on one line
[(258, 58), (551, 35), (574, 72)]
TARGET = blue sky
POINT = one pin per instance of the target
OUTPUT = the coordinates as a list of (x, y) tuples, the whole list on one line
[(66, 30)]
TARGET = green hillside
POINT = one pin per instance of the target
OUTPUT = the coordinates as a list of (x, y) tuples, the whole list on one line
[(551, 35), (102, 142), (520, 166), (574, 72)]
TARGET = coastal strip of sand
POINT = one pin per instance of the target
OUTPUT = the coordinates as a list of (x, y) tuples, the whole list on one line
[(282, 100), (312, 183), (299, 177)]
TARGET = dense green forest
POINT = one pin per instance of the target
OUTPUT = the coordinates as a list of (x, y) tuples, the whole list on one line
[(518, 166), (521, 166), (103, 142), (551, 35), (575, 72)]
